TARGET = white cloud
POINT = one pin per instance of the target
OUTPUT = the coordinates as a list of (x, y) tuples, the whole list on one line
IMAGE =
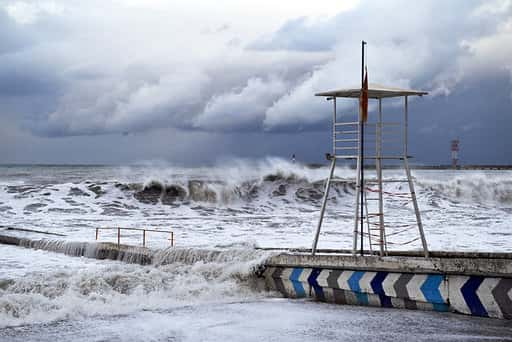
[(492, 8), (241, 109), (121, 104), (426, 46), (28, 12)]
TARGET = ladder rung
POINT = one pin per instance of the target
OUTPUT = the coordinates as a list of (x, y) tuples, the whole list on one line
[(345, 140), (345, 157), (346, 132), (375, 236), (346, 123)]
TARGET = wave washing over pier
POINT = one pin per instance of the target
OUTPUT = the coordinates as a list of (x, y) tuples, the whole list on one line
[(203, 289)]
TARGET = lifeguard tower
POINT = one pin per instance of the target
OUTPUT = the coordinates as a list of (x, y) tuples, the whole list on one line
[(371, 145)]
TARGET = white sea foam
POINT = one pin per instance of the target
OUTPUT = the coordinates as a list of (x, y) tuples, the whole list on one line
[(243, 197), (475, 187), (85, 288), (218, 215), (271, 202)]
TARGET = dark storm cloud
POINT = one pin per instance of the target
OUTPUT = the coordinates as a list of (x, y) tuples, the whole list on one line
[(79, 74), (105, 90), (24, 78), (478, 114), (25, 70)]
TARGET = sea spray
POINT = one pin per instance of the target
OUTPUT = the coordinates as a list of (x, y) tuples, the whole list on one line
[(176, 277), (272, 202), (479, 188)]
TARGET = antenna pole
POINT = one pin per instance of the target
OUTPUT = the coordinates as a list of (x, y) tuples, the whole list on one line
[(361, 151)]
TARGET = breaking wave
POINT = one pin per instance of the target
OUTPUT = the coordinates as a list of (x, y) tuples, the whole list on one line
[(170, 192), (471, 188), (176, 277), (271, 202), (275, 182)]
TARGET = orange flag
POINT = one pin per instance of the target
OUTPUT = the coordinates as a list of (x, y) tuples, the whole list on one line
[(363, 100)]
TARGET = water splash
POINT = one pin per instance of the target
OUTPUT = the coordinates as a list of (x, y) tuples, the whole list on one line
[(172, 277)]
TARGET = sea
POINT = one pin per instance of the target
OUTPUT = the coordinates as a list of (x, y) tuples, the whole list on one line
[(241, 209)]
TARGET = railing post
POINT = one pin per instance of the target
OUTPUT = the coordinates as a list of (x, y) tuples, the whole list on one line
[(144, 230)]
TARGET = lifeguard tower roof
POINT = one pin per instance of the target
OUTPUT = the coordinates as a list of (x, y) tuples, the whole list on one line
[(375, 91)]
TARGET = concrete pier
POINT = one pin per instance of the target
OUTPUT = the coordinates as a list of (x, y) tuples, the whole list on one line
[(100, 250), (473, 285)]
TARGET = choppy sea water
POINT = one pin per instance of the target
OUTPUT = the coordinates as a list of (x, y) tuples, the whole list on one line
[(233, 207)]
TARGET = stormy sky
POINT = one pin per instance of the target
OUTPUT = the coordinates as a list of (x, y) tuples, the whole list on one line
[(193, 82)]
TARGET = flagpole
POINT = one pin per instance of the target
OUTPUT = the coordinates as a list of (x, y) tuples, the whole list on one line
[(361, 152)]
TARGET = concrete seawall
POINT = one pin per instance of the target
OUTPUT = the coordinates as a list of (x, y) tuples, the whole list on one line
[(478, 286)]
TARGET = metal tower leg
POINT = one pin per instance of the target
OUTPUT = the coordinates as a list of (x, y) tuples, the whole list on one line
[(416, 208), (324, 202), (409, 178), (368, 225), (357, 207), (378, 168)]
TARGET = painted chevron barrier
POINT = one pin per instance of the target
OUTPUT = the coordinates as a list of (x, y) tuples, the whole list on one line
[(472, 295)]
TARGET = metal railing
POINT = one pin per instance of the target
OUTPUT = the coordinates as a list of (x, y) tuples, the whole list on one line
[(144, 230)]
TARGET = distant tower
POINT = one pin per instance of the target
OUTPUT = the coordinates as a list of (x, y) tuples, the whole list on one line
[(455, 152)]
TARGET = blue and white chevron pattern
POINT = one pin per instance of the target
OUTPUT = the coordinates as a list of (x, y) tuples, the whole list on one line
[(481, 296), (490, 297)]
